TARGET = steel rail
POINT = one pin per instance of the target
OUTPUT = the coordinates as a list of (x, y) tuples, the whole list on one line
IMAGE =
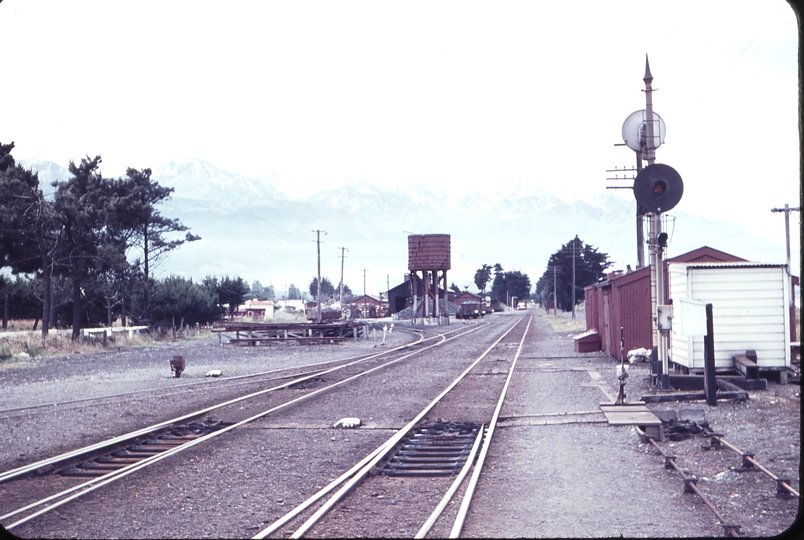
[(470, 459), (691, 485), (25, 469), (387, 446), (747, 457), (470, 489), (320, 493), (217, 382), (125, 471), (179, 389)]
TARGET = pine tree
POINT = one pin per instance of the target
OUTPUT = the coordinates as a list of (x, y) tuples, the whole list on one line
[(590, 266)]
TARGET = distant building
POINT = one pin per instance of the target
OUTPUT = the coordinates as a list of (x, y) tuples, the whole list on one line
[(401, 296), (291, 305), (258, 310), (367, 306), (465, 296)]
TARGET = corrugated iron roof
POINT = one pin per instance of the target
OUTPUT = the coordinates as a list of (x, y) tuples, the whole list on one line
[(731, 265)]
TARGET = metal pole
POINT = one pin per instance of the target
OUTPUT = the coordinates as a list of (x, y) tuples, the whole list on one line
[(650, 149), (573, 276), (640, 234), (654, 302), (365, 313), (662, 336), (657, 279)]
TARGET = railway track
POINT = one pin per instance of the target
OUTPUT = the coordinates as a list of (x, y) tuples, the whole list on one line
[(730, 524), (293, 376), (112, 460), (216, 382), (273, 465), (421, 450)]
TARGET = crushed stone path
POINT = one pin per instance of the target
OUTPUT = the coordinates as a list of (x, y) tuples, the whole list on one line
[(550, 474)]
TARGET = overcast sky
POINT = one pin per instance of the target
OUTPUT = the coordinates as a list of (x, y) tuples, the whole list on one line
[(464, 95)]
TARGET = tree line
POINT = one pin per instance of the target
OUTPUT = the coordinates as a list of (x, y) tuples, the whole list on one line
[(557, 284), (573, 267), (504, 284), (82, 254)]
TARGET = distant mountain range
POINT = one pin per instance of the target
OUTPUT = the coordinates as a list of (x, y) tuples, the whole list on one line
[(256, 229)]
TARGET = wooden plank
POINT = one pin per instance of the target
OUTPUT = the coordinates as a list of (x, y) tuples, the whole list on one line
[(746, 366), (612, 407), (629, 415), (303, 339), (631, 418)]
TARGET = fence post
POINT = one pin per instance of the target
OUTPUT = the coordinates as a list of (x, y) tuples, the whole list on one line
[(710, 383)]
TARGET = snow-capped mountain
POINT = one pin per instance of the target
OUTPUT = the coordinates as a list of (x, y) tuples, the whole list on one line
[(194, 179), (48, 171), (250, 228)]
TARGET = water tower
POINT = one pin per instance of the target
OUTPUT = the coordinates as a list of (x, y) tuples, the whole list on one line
[(430, 255)]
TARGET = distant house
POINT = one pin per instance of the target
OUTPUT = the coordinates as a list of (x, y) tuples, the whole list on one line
[(258, 310), (368, 306), (465, 296), (291, 305), (368, 300)]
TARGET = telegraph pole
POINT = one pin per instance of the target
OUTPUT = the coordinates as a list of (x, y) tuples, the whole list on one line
[(343, 257), (365, 312), (787, 211), (573, 277), (555, 289), (555, 298), (318, 289)]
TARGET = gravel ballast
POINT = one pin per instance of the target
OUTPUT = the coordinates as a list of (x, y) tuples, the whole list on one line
[(554, 468)]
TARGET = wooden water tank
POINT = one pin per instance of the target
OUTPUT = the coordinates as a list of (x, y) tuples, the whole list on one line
[(428, 252)]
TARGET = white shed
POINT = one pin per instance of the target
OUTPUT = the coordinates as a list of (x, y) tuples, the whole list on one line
[(750, 311)]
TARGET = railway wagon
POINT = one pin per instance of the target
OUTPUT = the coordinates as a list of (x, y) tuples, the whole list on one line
[(327, 315), (469, 310)]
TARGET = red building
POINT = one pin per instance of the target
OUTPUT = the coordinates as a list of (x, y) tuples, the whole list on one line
[(466, 296), (623, 300), (401, 296), (367, 306)]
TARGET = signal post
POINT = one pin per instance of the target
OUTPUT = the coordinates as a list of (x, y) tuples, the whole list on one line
[(657, 189)]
